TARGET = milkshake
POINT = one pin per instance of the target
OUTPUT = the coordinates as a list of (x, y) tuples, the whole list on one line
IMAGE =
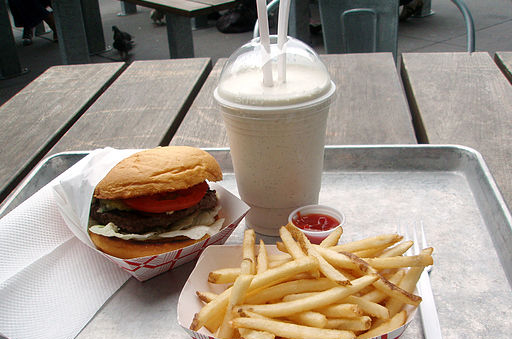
[(276, 133)]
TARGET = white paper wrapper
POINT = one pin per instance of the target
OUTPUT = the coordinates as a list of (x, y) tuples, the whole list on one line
[(44, 267), (73, 193), (215, 257)]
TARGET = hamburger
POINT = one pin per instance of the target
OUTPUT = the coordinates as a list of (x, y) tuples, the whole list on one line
[(156, 201)]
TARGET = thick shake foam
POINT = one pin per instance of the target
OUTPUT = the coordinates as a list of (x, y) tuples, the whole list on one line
[(303, 83)]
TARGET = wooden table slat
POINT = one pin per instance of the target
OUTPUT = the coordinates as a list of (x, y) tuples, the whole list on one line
[(142, 109), (504, 62), (35, 118), (370, 105), (214, 2), (369, 108), (178, 6), (203, 125), (462, 98)]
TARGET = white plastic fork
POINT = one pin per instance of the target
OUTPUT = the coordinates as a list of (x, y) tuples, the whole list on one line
[(429, 318)]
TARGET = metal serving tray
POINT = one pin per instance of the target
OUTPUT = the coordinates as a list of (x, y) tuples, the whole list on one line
[(448, 188)]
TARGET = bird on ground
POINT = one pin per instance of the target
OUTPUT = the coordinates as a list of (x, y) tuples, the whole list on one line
[(123, 42), (157, 17)]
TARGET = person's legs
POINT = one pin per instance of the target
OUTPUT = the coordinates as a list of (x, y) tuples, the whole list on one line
[(30, 13), (27, 36), (239, 19)]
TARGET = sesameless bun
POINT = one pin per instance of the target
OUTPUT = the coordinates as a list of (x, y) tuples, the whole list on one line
[(128, 249), (152, 177), (158, 170)]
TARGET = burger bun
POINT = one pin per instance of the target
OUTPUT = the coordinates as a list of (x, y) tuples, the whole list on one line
[(157, 170), (128, 249)]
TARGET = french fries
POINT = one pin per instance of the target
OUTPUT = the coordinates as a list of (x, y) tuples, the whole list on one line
[(288, 330), (357, 290), (327, 269), (319, 299), (224, 275)]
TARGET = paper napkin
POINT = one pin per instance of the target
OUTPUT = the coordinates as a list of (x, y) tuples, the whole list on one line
[(51, 284)]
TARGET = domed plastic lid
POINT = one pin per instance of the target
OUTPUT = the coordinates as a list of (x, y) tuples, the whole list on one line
[(241, 80)]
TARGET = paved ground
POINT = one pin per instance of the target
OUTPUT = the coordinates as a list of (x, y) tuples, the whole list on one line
[(442, 32)]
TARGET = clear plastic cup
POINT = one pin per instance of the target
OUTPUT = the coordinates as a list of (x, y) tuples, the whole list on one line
[(276, 134)]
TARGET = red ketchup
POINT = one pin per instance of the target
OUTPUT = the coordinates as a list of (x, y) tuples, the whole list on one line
[(315, 222)]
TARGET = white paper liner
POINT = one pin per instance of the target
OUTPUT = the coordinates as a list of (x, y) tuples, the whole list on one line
[(216, 257), (73, 194)]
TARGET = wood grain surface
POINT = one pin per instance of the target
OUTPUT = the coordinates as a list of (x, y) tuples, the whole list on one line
[(176, 6), (461, 98), (141, 109), (187, 8), (504, 62), (203, 125), (35, 118), (369, 107)]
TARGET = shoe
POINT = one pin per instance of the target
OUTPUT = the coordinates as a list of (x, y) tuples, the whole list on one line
[(214, 16), (412, 8), (158, 17), (238, 20), (27, 36)]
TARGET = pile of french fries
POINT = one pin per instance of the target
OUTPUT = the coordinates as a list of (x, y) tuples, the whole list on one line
[(353, 290)]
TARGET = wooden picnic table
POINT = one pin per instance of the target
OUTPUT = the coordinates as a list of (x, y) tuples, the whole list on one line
[(35, 118), (178, 16), (460, 98), (354, 118), (142, 109), (440, 98)]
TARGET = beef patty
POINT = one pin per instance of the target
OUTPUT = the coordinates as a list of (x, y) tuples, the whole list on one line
[(141, 222)]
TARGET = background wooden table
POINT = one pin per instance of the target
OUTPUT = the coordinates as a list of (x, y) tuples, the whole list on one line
[(369, 105), (504, 62), (34, 119), (461, 98), (455, 98), (142, 109), (178, 16)]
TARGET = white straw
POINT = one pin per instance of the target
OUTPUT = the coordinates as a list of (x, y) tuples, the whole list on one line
[(265, 42), (282, 37)]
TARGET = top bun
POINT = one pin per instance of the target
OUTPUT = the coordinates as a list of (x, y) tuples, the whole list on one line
[(158, 170)]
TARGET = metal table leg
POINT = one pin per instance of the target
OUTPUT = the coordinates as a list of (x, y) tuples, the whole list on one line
[(93, 26), (179, 35), (299, 20), (71, 31), (426, 10), (200, 22), (127, 8)]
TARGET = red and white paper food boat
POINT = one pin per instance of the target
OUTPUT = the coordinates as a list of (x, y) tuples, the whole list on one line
[(74, 193), (143, 268), (216, 257)]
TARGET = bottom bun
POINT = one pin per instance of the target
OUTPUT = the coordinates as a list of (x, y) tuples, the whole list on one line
[(129, 249)]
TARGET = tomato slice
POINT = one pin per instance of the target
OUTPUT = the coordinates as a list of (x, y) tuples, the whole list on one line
[(171, 201)]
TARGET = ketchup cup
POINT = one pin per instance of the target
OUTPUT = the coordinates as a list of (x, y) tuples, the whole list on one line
[(307, 218)]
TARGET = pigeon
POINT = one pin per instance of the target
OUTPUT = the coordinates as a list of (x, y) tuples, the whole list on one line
[(157, 17), (123, 42)]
